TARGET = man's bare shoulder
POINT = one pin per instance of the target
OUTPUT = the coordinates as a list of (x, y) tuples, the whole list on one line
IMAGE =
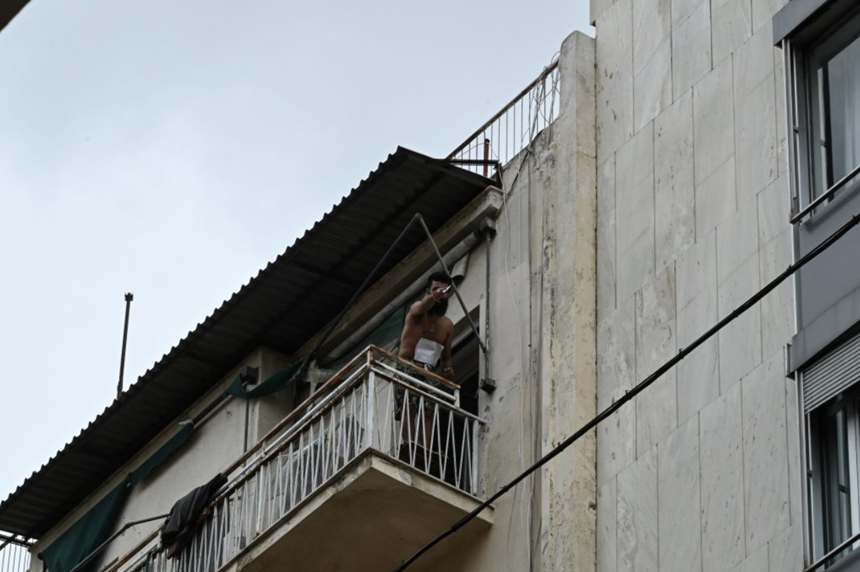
[(416, 310)]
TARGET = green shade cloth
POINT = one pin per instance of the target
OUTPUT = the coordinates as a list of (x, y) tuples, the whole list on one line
[(162, 454), (274, 383), (87, 533), (383, 334), (92, 529)]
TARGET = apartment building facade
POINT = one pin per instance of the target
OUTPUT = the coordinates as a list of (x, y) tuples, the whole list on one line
[(359, 460), (650, 181), (724, 130)]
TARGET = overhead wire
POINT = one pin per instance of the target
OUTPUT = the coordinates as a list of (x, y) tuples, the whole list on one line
[(641, 386)]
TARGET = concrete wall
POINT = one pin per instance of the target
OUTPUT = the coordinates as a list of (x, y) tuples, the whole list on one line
[(542, 298), (702, 472)]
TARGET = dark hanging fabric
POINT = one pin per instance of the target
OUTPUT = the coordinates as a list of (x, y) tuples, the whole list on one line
[(274, 383), (92, 529), (87, 534), (185, 516)]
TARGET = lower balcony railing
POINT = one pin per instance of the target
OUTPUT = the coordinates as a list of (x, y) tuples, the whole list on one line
[(376, 403), (14, 555)]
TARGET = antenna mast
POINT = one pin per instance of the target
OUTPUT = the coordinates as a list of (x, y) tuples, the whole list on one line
[(128, 298)]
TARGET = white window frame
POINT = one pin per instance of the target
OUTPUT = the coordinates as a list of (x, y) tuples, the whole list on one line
[(806, 162), (849, 401)]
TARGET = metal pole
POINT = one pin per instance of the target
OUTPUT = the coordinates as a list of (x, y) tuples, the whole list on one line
[(486, 155), (128, 298), (83, 563), (358, 293), (454, 286)]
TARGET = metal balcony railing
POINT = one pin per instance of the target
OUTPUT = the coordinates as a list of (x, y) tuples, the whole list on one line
[(513, 128), (378, 403), (14, 555)]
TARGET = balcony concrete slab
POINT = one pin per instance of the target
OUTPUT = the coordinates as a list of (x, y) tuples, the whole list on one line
[(376, 514)]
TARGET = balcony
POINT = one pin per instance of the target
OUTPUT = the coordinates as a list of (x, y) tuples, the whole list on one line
[(14, 554), (376, 464)]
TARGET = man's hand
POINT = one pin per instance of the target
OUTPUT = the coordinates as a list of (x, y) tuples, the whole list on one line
[(448, 372), (439, 293)]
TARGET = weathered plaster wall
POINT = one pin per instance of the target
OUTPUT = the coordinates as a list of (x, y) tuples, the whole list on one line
[(211, 448), (702, 472), (542, 298)]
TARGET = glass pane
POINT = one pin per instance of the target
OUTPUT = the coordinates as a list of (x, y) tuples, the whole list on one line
[(822, 175), (837, 491), (841, 92)]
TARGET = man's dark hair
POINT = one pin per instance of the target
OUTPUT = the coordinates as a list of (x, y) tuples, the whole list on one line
[(438, 277)]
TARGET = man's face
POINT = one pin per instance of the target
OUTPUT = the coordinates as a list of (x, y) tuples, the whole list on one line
[(441, 306)]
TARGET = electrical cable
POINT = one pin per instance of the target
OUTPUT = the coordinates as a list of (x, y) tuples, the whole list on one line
[(83, 563), (641, 386)]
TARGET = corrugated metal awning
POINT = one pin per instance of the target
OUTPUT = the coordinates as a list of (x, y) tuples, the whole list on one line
[(9, 9), (282, 307)]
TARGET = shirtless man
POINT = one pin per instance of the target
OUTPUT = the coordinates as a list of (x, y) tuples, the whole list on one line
[(427, 332)]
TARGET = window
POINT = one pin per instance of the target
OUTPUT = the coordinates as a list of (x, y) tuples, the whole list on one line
[(831, 401), (820, 40), (834, 100), (833, 459), (821, 47), (826, 106)]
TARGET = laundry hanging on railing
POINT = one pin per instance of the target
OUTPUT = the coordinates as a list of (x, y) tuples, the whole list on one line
[(187, 514), (92, 529)]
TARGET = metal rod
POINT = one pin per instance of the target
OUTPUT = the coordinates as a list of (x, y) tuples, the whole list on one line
[(358, 292), (486, 154), (478, 162), (128, 298), (456, 290), (833, 552), (104, 544), (827, 195)]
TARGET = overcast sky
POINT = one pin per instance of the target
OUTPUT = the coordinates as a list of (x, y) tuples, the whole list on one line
[(173, 148)]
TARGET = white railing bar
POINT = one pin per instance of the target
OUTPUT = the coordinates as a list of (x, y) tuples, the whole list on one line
[(315, 408), (300, 424), (449, 406), (417, 382)]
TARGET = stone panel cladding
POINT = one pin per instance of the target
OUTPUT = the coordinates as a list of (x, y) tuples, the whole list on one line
[(702, 472)]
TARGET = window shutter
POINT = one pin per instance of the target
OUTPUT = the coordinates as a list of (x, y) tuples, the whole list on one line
[(832, 374)]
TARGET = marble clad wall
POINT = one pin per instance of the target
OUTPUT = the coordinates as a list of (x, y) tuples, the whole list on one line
[(702, 472)]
